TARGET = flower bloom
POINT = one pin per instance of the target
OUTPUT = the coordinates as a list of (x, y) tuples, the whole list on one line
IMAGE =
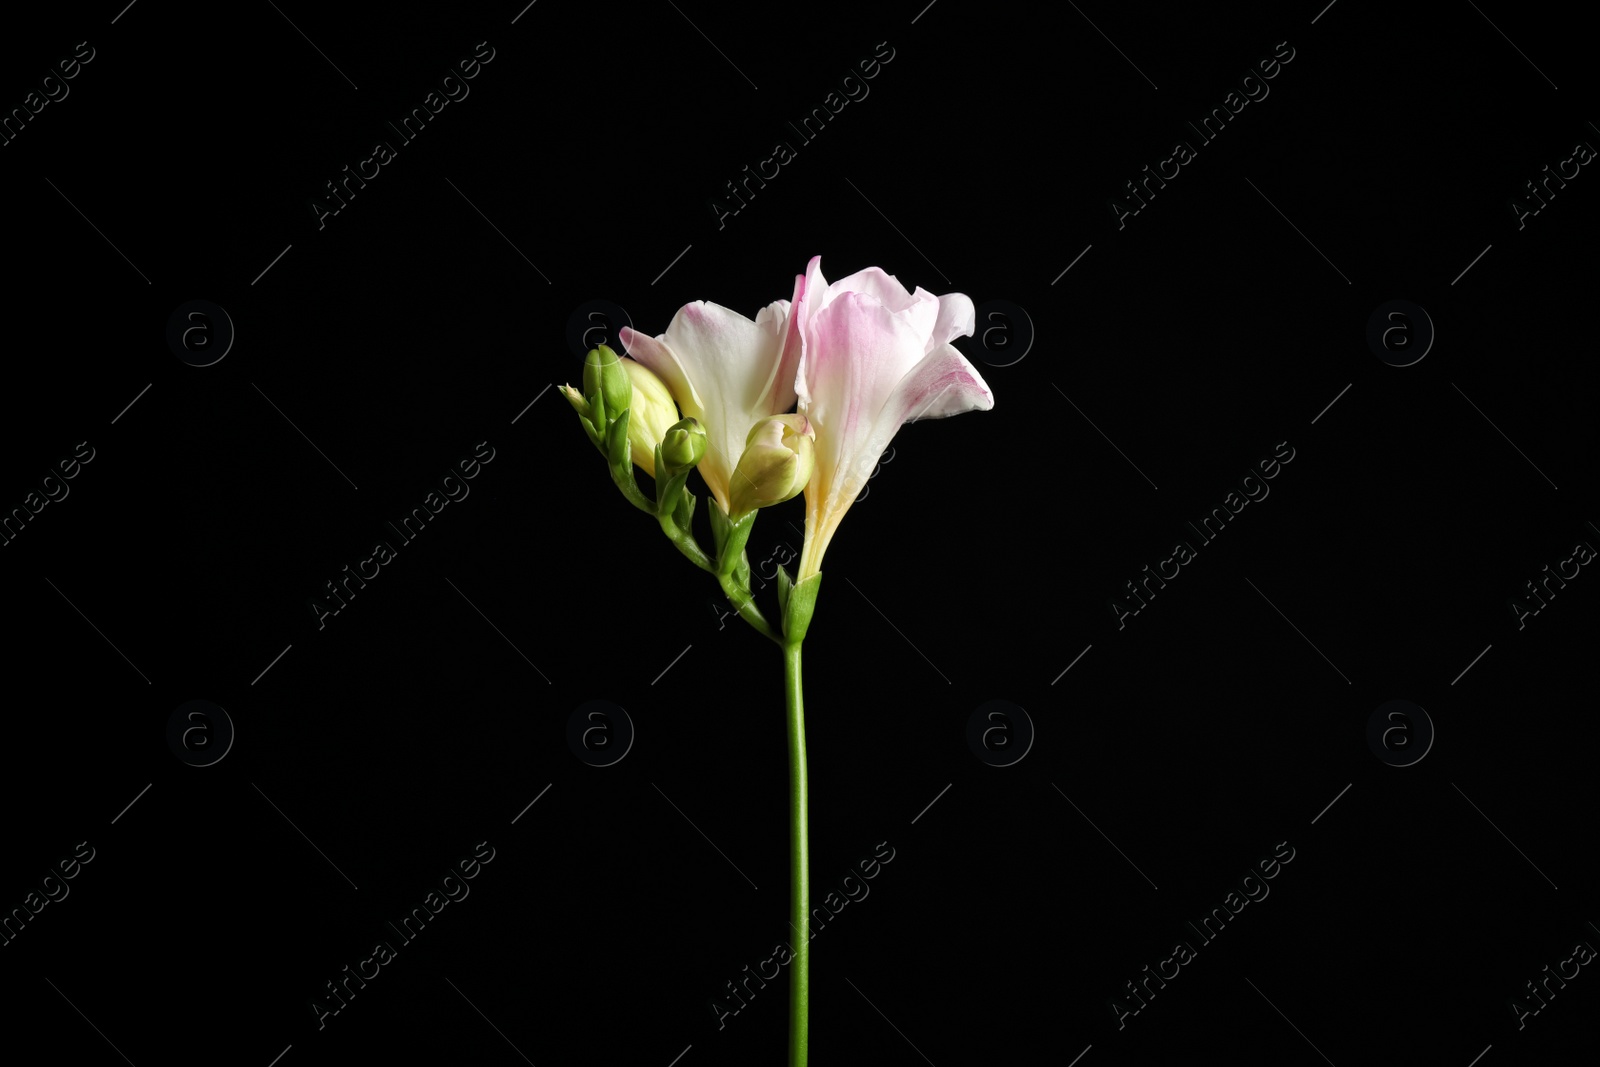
[(727, 372), (873, 357)]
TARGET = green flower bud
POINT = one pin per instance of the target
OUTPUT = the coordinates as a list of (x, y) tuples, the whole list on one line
[(683, 446), (651, 415), (606, 384), (575, 398), (775, 467), (585, 414)]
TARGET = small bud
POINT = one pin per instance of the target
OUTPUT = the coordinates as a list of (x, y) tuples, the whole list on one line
[(575, 398), (586, 415), (652, 414), (683, 446), (776, 464)]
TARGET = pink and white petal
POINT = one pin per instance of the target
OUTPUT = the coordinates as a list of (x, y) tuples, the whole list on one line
[(655, 354), (720, 350), (922, 314), (773, 320), (778, 309), (944, 383), (729, 360), (957, 318), (793, 347), (875, 280), (781, 319), (857, 352), (815, 287)]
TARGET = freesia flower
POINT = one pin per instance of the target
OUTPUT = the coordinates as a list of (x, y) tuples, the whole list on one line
[(727, 372), (861, 358), (873, 357)]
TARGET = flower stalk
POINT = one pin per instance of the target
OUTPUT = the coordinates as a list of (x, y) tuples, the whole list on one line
[(799, 861), (798, 603)]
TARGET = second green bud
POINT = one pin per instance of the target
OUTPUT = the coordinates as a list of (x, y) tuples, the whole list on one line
[(683, 446)]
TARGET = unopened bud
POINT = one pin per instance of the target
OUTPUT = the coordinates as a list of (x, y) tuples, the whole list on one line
[(575, 398), (683, 446), (776, 464), (651, 415), (606, 385)]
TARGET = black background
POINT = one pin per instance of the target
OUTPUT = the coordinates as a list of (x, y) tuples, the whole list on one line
[(1179, 749)]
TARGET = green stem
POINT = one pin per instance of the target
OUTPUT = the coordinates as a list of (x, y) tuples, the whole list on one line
[(799, 862)]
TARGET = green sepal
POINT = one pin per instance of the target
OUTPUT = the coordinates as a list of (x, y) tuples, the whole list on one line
[(730, 554), (685, 511), (592, 391), (616, 388), (581, 406), (797, 609), (785, 583), (719, 529), (671, 493), (594, 435), (619, 458), (617, 440)]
